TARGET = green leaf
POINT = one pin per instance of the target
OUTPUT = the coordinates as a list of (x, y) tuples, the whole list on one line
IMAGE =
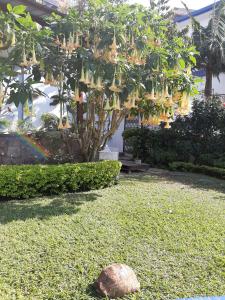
[(20, 9), (181, 63), (27, 22), (193, 59), (9, 7), (198, 80), (194, 91)]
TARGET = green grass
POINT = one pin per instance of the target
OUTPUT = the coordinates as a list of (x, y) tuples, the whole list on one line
[(169, 228)]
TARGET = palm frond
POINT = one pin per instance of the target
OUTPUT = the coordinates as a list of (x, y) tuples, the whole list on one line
[(198, 31), (195, 23), (216, 28), (210, 40)]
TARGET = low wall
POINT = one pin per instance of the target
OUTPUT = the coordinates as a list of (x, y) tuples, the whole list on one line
[(14, 149), (22, 149)]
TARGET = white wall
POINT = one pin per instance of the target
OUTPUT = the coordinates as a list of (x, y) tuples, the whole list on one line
[(41, 105), (116, 143), (203, 19), (219, 85)]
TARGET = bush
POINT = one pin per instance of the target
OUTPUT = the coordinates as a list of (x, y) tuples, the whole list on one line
[(189, 167), (62, 146), (155, 147), (197, 138), (50, 121), (37, 180)]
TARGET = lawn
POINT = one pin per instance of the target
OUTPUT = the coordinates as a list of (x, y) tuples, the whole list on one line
[(169, 227)]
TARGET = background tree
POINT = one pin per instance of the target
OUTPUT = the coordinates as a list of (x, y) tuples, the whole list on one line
[(210, 43), (197, 138), (82, 5), (21, 42)]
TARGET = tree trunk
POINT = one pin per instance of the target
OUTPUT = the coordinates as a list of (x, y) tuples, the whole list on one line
[(80, 113), (208, 83), (95, 137)]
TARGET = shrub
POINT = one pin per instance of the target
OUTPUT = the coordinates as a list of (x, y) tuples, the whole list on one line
[(155, 147), (37, 180), (189, 167), (50, 121), (197, 138), (62, 146)]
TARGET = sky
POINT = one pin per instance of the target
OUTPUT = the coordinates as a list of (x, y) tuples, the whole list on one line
[(192, 4)]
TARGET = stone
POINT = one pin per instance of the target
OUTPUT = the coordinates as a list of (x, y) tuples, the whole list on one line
[(117, 280)]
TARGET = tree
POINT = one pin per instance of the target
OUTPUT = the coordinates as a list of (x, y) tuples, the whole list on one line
[(82, 5), (210, 43), (114, 61), (110, 62), (20, 40)]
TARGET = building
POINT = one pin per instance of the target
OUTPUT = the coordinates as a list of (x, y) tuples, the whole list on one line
[(203, 16), (179, 12)]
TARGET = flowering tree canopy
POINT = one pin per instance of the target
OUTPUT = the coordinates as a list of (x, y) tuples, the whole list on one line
[(113, 61)]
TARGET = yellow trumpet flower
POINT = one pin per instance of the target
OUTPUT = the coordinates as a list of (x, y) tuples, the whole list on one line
[(60, 126), (87, 78), (167, 126), (24, 62), (166, 92), (67, 124), (114, 104), (113, 87), (64, 43), (99, 85), (13, 40), (82, 79), (118, 107), (113, 46), (77, 42), (152, 95), (92, 84), (34, 59), (107, 105)]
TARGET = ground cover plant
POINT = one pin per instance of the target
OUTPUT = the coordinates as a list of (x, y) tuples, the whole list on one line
[(169, 227)]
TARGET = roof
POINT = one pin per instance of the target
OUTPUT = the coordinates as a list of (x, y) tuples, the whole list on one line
[(180, 11), (196, 12), (38, 9)]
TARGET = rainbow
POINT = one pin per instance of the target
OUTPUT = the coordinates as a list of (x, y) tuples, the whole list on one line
[(37, 148)]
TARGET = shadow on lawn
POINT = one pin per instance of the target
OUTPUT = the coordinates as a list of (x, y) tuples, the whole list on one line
[(198, 181), (92, 291), (68, 204)]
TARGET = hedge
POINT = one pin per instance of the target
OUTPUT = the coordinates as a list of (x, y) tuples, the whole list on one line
[(197, 138), (26, 181), (189, 167)]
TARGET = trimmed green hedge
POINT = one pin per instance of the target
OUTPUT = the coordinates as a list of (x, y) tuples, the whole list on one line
[(28, 181), (189, 167)]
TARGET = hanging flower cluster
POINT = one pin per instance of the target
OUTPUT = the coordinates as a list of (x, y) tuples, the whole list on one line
[(7, 38), (1, 94), (28, 61)]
